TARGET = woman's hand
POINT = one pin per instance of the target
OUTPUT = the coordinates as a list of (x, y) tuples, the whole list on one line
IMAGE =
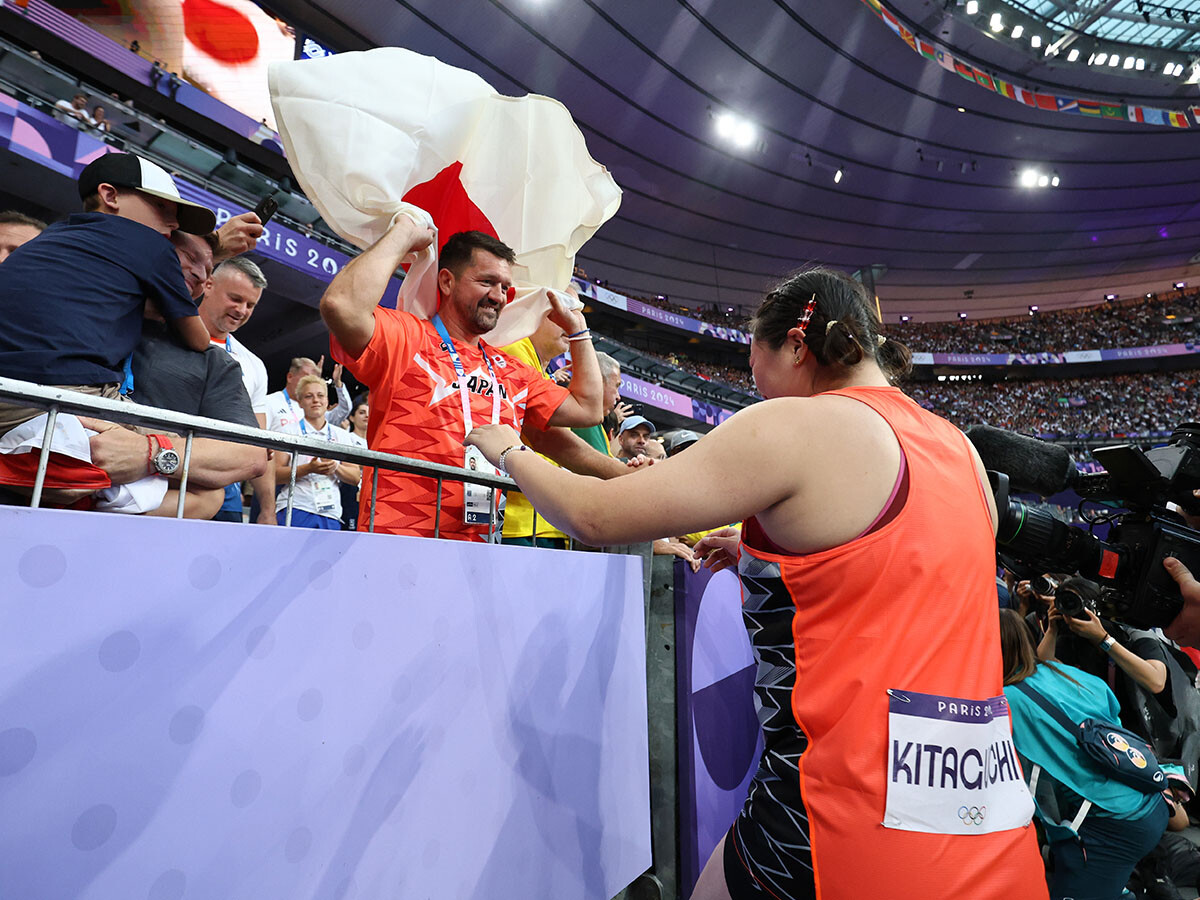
[(1091, 627), (672, 547), (492, 440), (719, 550)]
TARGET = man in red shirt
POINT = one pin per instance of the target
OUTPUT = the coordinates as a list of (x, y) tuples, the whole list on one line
[(431, 381)]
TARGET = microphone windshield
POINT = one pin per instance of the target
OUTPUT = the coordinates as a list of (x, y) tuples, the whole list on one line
[(1031, 465)]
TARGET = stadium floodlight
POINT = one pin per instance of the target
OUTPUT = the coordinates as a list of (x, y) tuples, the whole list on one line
[(906, 318), (1100, 59), (1036, 41), (1017, 31), (1073, 55), (997, 22), (1129, 62), (1043, 180), (1033, 309), (837, 176), (972, 7), (1029, 177), (1140, 65), (1114, 61), (1054, 179)]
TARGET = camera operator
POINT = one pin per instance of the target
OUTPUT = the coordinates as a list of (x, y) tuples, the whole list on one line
[(1132, 662)]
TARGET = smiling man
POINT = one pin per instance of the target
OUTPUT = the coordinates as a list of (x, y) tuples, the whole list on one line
[(432, 381), (230, 297)]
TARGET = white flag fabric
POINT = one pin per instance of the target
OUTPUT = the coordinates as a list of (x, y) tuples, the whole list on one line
[(370, 134)]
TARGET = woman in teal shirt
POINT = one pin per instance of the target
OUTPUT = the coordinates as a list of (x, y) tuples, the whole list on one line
[(1123, 824)]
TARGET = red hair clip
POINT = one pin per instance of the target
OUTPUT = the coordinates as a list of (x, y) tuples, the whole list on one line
[(802, 322)]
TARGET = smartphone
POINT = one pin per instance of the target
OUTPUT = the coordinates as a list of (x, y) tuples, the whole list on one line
[(266, 208)]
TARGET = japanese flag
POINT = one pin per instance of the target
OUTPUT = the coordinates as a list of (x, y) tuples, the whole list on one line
[(374, 134)]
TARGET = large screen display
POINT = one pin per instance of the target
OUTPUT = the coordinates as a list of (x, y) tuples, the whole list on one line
[(221, 46)]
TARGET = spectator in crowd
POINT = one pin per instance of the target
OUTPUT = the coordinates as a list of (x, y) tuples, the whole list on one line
[(810, 471), (410, 366), (317, 501), (98, 121), (1116, 405), (282, 410), (72, 300), (610, 374), (1123, 824), (17, 229), (654, 450), (356, 426), (632, 436), (678, 441), (74, 111), (231, 295)]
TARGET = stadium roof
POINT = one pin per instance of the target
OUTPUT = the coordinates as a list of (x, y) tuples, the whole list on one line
[(865, 149)]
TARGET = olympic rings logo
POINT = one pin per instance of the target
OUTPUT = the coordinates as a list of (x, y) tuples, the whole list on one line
[(972, 815)]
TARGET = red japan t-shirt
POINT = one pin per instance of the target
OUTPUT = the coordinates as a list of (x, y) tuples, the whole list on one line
[(416, 411)]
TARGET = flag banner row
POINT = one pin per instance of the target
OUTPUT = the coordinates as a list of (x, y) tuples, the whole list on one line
[(1095, 109)]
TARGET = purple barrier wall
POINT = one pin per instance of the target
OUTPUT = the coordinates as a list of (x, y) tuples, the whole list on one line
[(197, 709), (666, 317), (719, 738)]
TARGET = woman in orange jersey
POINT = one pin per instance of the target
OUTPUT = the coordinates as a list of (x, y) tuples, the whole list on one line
[(868, 588)]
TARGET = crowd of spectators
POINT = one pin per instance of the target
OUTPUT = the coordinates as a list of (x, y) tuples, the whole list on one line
[(1165, 318), (1113, 405)]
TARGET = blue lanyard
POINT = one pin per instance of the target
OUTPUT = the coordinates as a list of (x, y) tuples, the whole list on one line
[(127, 382), (327, 433), (463, 396)]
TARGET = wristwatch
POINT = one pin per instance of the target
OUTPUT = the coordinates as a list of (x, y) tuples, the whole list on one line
[(1107, 643), (164, 457)]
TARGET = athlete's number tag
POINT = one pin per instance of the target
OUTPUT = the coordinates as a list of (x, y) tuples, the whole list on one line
[(951, 766), (477, 499), (326, 494)]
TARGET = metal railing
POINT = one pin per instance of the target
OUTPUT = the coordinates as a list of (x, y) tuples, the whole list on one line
[(59, 400)]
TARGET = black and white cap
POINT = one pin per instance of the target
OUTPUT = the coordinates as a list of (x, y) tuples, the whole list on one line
[(128, 170)]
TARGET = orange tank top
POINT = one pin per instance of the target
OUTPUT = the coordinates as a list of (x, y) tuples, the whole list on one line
[(909, 607)]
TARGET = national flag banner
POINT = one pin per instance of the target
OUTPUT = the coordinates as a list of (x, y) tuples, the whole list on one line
[(983, 79), (441, 142), (1096, 109)]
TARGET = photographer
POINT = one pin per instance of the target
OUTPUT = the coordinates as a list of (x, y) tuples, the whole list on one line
[(1123, 824), (1132, 662)]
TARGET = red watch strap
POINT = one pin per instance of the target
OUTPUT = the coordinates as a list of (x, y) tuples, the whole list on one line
[(164, 442)]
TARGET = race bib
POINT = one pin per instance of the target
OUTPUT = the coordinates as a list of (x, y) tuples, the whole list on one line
[(477, 499), (952, 767)]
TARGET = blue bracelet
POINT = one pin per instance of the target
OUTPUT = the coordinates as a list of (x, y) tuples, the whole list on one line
[(578, 333)]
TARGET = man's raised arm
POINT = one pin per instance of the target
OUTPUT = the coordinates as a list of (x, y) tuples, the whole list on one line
[(584, 407), (348, 305)]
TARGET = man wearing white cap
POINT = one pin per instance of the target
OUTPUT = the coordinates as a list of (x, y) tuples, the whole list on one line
[(632, 437), (72, 301)]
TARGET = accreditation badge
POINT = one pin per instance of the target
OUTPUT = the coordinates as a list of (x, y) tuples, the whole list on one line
[(477, 499), (952, 767)]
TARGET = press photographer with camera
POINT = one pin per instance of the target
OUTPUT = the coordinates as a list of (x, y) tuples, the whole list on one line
[(1112, 824), (1100, 646)]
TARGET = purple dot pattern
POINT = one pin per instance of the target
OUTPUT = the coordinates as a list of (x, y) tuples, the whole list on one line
[(170, 885), (299, 842), (204, 572), (245, 789), (18, 746), (94, 827), (186, 725), (119, 651), (42, 566)]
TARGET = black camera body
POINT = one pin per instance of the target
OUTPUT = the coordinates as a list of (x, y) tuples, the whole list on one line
[(1134, 586)]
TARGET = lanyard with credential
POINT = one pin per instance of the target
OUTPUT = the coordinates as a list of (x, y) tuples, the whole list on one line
[(468, 423)]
